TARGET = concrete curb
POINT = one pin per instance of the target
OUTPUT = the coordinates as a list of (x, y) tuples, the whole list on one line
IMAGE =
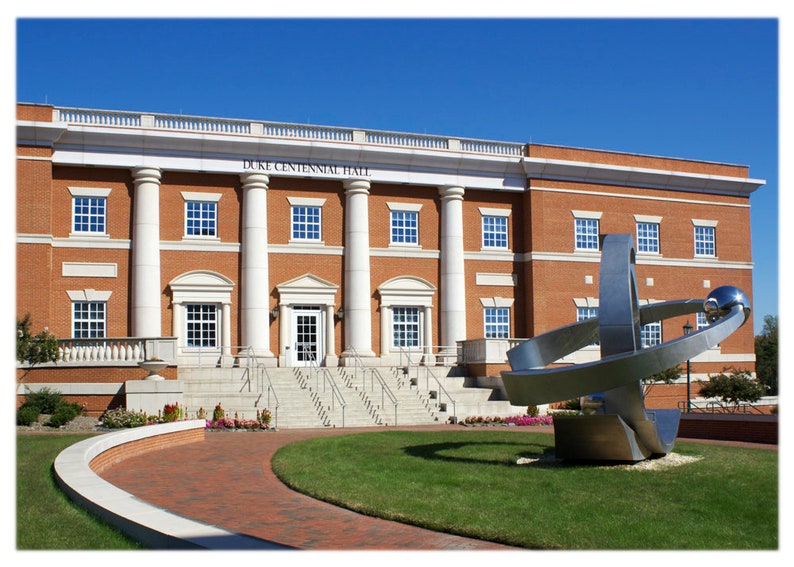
[(153, 527)]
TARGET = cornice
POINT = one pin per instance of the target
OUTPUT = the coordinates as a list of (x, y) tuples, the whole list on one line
[(587, 172)]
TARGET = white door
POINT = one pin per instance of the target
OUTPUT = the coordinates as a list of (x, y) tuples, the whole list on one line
[(307, 347)]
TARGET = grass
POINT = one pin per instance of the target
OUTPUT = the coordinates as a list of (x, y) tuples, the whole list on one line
[(468, 483), (46, 518)]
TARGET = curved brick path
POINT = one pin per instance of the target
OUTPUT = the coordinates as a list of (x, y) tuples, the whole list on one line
[(226, 481)]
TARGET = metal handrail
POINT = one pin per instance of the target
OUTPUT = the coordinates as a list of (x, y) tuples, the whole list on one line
[(716, 406), (375, 375), (428, 373), (263, 374), (336, 393)]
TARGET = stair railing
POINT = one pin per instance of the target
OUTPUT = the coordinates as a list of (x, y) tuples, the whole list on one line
[(262, 377), (428, 374), (385, 391), (328, 379)]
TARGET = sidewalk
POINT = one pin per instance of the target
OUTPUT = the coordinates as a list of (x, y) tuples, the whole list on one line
[(226, 481)]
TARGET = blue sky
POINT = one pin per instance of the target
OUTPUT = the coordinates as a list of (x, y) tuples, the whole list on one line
[(703, 89)]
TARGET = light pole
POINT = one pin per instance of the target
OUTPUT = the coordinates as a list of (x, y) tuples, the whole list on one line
[(687, 330)]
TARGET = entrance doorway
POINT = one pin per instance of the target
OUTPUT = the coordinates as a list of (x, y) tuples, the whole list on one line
[(307, 344)]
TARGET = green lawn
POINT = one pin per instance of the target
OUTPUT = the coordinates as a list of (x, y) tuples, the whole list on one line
[(467, 482), (46, 518)]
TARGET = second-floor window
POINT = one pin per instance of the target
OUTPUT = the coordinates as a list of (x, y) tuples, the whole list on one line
[(89, 215), (497, 322), (586, 234), (494, 232), (306, 223), (705, 241), (404, 227), (201, 218), (648, 237), (651, 334)]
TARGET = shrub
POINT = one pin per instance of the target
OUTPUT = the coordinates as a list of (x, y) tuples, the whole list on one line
[(26, 415), (45, 400), (122, 417), (218, 413), (64, 413), (172, 412)]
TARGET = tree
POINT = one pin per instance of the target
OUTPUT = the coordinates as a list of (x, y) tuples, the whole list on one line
[(35, 349), (665, 376), (733, 386), (766, 355)]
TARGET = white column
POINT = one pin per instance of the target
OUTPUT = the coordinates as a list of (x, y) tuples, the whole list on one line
[(178, 322), (330, 337), (358, 319), (385, 330), (453, 281), (254, 273), (429, 359), (226, 328), (284, 314), (145, 282)]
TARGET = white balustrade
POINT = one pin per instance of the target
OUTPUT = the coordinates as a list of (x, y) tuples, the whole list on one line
[(283, 130), (122, 350)]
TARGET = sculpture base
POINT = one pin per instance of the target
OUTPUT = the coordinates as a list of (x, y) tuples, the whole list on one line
[(597, 438)]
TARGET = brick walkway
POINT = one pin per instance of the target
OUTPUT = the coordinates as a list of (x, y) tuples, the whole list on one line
[(226, 481)]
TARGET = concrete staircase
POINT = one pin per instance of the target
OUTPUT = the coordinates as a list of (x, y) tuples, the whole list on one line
[(340, 397)]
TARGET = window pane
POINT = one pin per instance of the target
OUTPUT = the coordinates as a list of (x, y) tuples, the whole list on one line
[(494, 232), (586, 237), (201, 326), (404, 227), (497, 322), (651, 334), (584, 313), (306, 223), (405, 327), (201, 218), (88, 319), (704, 241), (89, 214), (647, 237)]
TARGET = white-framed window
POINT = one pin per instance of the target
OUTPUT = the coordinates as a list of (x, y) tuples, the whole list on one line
[(701, 322), (306, 219), (201, 218), (201, 325), (405, 327), (494, 232), (89, 211), (404, 227), (651, 334), (705, 240), (648, 237), (88, 319), (497, 322), (586, 228)]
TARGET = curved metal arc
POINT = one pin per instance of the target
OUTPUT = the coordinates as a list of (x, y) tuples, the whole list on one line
[(544, 385)]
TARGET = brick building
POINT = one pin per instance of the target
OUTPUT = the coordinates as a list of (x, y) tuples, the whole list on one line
[(201, 238)]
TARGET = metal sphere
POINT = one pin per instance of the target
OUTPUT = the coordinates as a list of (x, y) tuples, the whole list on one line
[(719, 302)]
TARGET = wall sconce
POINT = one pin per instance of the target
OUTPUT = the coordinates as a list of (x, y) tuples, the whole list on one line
[(274, 313), (340, 314)]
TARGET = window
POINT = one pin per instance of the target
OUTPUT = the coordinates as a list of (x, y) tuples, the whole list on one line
[(651, 334), (704, 241), (202, 325), (201, 218), (306, 222), (648, 237), (88, 319), (701, 321), (404, 227), (405, 326), (497, 322), (494, 232), (89, 214), (586, 234)]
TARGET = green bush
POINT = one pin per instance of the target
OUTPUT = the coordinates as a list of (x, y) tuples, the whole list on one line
[(64, 413), (45, 400), (27, 415), (122, 417)]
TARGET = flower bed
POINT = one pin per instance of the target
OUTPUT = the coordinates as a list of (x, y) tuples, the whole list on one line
[(516, 420)]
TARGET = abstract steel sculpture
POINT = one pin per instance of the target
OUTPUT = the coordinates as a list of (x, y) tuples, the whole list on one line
[(621, 428)]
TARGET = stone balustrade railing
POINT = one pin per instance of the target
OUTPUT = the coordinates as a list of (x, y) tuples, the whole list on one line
[(486, 351), (116, 350), (117, 119)]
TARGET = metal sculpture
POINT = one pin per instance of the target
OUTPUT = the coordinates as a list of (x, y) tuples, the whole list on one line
[(621, 429)]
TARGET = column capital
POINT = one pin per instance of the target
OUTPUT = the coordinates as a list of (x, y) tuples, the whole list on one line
[(255, 180), (357, 185), (145, 174), (451, 191)]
